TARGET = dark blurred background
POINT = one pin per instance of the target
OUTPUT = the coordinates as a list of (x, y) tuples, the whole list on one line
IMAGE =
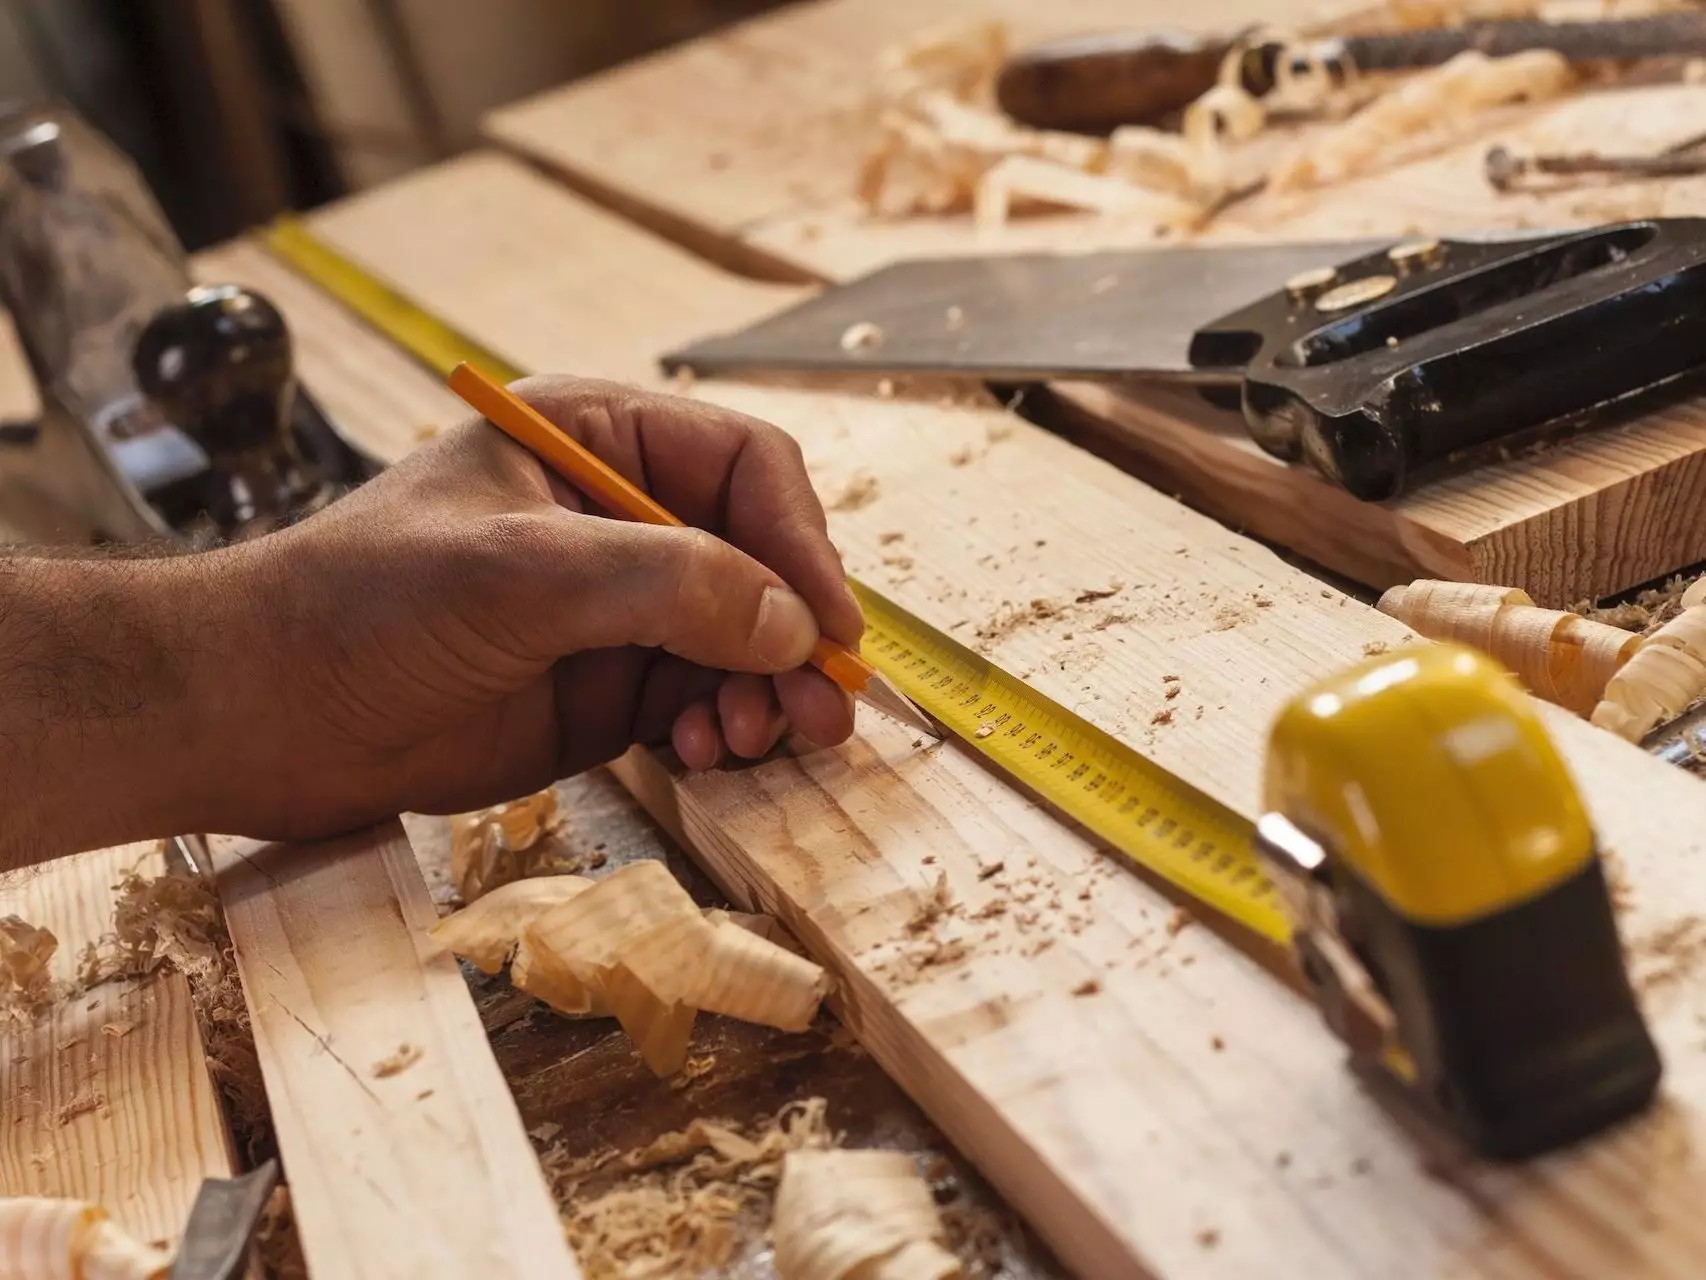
[(240, 109)]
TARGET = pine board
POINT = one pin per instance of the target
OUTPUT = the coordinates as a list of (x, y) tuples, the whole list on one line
[(419, 1172), (1594, 516), (509, 280), (126, 1118), (1190, 1117)]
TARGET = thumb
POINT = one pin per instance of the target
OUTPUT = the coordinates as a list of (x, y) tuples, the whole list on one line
[(679, 589)]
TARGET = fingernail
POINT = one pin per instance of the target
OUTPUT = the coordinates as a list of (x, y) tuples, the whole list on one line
[(785, 632)]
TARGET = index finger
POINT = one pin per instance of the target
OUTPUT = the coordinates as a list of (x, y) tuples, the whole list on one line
[(739, 477)]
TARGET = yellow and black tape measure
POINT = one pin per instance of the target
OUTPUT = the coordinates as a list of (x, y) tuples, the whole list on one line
[(1159, 821)]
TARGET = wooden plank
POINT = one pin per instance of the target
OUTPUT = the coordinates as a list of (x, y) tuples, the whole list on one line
[(381, 400), (1592, 515), (107, 1097), (1190, 1116), (1597, 515), (401, 1142), (501, 280)]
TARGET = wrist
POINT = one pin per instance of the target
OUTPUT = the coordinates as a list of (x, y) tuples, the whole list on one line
[(113, 710)]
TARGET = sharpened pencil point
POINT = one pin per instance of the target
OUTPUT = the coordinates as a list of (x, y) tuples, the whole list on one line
[(881, 694)]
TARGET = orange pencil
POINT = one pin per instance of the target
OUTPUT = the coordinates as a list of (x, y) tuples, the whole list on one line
[(613, 491)]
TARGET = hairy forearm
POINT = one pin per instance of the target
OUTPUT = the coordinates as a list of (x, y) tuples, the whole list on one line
[(108, 677)]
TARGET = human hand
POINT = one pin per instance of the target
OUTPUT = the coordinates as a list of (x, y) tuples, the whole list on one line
[(463, 629)]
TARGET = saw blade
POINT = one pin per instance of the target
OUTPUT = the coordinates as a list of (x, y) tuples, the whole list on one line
[(1125, 315)]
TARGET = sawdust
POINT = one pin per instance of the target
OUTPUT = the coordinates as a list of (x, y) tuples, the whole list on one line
[(1374, 648), (1668, 954), (1011, 618), (1179, 921), (395, 1064), (859, 493), (890, 538), (1089, 987), (1228, 616), (681, 1205), (928, 912), (1163, 716), (1647, 612)]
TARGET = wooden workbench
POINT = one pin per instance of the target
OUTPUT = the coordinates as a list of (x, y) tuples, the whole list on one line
[(1149, 1095)]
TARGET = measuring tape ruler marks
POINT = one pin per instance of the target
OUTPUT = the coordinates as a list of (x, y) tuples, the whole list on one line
[(1158, 820)]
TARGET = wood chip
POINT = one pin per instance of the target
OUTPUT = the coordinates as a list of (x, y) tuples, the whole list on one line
[(405, 1057), (861, 336)]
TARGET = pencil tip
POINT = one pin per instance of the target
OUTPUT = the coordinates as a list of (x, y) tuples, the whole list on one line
[(882, 695)]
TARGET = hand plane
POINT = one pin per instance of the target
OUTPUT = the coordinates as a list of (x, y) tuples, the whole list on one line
[(1370, 361), (169, 412)]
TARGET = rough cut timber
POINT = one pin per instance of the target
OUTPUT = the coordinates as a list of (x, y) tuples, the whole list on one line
[(1587, 518), (1151, 1098), (107, 1097), (400, 1140)]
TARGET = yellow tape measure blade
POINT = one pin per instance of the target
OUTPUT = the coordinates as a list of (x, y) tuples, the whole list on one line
[(1162, 823)]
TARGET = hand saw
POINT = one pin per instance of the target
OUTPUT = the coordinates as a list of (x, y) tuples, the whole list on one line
[(1369, 360)]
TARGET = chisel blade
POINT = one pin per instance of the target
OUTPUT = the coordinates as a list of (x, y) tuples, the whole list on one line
[(222, 1223)]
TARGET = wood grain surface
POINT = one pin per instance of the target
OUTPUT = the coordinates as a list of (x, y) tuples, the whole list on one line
[(107, 1097), (400, 1141), (1151, 1097), (753, 138)]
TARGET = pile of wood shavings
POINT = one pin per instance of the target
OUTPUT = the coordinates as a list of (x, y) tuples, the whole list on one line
[(941, 145), (682, 1205), (1647, 612), (173, 919)]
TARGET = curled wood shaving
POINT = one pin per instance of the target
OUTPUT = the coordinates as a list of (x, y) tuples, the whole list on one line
[(1561, 657), (48, 1239), (1430, 102), (502, 844), (1664, 678), (868, 1214), (488, 930), (672, 1208), (943, 147), (635, 945)]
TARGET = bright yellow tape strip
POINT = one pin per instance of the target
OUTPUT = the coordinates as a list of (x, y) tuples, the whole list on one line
[(1159, 821)]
